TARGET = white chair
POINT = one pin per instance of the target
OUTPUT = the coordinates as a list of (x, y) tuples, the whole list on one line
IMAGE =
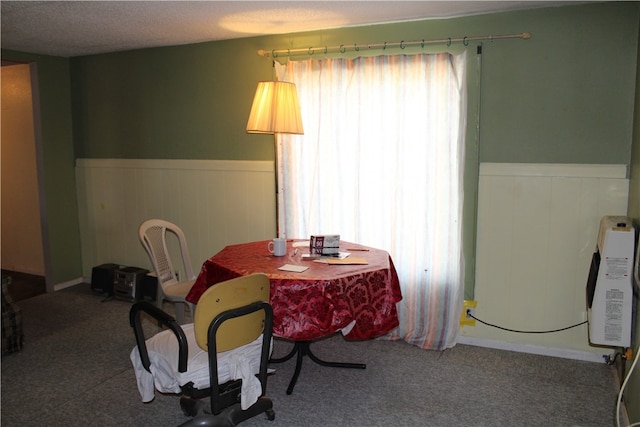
[(153, 236)]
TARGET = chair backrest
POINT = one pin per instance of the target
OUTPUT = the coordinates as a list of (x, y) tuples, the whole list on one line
[(228, 295), (153, 236)]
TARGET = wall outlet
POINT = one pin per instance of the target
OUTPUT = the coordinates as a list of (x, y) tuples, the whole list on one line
[(465, 320)]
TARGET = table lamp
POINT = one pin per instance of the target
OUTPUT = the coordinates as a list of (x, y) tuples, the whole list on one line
[(275, 110)]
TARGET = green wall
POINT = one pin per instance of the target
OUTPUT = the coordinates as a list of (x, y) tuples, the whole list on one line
[(61, 238), (185, 102), (566, 95)]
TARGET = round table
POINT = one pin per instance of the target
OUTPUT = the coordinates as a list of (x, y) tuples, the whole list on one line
[(358, 300)]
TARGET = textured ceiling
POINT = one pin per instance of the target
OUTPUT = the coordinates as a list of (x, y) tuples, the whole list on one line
[(74, 28)]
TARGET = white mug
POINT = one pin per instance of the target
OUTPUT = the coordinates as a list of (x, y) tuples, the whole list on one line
[(278, 246)]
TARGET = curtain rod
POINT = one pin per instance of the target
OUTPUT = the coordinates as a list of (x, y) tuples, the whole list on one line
[(401, 44)]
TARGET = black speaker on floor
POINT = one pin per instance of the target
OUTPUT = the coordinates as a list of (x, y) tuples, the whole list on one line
[(102, 278), (149, 288)]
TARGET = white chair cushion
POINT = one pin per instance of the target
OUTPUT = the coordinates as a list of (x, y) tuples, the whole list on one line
[(242, 362)]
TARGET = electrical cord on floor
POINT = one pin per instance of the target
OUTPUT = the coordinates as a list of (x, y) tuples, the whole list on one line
[(624, 384), (523, 332)]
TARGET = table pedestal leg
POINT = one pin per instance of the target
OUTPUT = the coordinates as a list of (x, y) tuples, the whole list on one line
[(303, 348)]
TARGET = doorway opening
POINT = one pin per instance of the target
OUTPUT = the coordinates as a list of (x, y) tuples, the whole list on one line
[(22, 247)]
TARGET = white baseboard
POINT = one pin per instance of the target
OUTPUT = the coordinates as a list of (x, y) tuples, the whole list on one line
[(534, 349), (64, 285)]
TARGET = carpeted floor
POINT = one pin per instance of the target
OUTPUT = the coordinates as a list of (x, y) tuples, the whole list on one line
[(74, 370)]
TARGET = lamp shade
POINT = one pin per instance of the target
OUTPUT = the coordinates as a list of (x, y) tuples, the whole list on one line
[(275, 109)]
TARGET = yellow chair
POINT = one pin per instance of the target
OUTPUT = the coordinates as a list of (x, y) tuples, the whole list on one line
[(223, 354)]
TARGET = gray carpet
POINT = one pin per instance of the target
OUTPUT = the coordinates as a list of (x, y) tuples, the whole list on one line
[(74, 370)]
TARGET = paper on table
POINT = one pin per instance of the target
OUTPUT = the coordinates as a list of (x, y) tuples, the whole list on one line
[(294, 268), (344, 261), (300, 244)]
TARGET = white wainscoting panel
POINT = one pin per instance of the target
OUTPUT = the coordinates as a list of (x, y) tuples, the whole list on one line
[(216, 203), (537, 229)]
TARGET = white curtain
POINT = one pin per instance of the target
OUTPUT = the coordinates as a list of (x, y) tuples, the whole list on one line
[(381, 163)]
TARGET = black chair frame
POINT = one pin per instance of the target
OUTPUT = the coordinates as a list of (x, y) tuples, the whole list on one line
[(224, 408)]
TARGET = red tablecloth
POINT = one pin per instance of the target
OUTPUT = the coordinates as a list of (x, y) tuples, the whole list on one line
[(319, 301)]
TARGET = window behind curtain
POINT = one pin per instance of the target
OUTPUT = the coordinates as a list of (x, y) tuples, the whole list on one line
[(381, 164)]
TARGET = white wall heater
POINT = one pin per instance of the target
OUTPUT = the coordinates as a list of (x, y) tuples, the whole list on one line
[(610, 284)]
